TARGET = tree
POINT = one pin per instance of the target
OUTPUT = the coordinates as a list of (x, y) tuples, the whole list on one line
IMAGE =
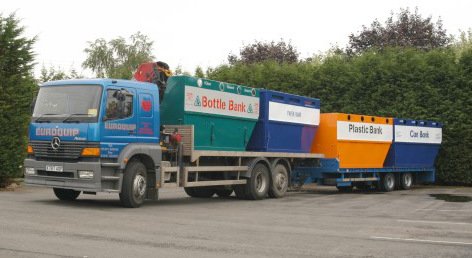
[(257, 52), (117, 58), (53, 74), (464, 43), (407, 29), (199, 72), (16, 92)]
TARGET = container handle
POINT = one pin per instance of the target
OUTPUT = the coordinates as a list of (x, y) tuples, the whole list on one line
[(212, 133)]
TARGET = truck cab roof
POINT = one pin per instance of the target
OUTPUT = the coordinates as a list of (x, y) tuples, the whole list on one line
[(103, 82)]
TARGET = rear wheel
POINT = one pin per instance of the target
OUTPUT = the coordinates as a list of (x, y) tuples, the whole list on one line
[(200, 192), (388, 182), (406, 181), (279, 184), (66, 194), (259, 183), (257, 186), (134, 187)]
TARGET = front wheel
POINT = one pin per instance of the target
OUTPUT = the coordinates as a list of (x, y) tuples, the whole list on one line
[(134, 187), (66, 194)]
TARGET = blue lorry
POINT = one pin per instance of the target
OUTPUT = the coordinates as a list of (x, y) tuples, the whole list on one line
[(106, 135)]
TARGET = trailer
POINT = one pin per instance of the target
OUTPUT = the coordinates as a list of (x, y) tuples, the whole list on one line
[(328, 172)]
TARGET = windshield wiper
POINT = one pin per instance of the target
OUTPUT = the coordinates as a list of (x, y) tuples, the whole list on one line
[(69, 120), (38, 119)]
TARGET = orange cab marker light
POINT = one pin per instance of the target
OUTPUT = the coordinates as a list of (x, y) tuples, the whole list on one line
[(30, 149), (90, 152)]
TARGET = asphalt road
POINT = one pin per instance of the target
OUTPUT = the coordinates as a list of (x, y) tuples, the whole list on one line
[(314, 223)]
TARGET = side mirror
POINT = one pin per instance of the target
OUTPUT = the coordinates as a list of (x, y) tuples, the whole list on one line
[(33, 103)]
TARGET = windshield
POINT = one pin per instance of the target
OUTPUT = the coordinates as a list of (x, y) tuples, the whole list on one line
[(75, 103)]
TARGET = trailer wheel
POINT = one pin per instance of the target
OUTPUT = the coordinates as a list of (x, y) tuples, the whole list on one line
[(134, 187), (224, 191), (66, 194), (279, 183), (388, 182), (406, 181), (199, 192)]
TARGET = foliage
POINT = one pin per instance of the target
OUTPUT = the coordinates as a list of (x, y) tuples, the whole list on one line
[(180, 71), (54, 74), (280, 52), (463, 43), (117, 58), (16, 92), (407, 29), (398, 82), (199, 72)]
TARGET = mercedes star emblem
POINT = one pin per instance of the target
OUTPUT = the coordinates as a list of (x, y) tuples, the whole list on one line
[(55, 143)]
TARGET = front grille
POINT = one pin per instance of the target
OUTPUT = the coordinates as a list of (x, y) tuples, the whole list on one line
[(55, 174), (67, 150)]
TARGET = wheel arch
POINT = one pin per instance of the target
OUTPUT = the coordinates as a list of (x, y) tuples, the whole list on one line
[(251, 163)]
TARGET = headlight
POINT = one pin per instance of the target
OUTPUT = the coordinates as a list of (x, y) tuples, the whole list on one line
[(85, 174), (29, 171)]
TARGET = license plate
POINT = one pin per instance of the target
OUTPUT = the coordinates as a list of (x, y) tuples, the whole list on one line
[(54, 168)]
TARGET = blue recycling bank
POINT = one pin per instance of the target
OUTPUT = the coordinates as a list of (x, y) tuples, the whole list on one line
[(287, 123), (416, 143)]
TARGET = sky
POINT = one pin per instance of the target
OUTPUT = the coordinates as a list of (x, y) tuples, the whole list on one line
[(202, 33)]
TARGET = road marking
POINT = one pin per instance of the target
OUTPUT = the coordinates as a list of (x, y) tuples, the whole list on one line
[(443, 210), (434, 222), (421, 240)]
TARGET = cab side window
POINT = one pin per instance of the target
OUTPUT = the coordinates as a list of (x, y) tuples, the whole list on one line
[(119, 104)]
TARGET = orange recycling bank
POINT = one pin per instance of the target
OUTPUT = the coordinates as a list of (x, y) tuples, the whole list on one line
[(357, 141)]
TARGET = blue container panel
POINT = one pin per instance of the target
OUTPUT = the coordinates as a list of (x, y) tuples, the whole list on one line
[(412, 154), (281, 136)]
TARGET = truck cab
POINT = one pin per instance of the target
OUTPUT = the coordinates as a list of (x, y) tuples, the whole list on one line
[(83, 133)]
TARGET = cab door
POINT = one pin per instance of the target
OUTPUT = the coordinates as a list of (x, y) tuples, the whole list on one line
[(148, 129), (118, 126)]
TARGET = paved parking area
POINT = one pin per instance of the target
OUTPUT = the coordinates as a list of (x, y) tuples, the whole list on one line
[(319, 222)]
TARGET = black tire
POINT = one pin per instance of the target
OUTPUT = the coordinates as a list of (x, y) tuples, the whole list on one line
[(406, 181), (224, 191), (344, 189), (279, 182), (257, 186), (66, 194), (133, 191), (200, 192), (388, 182)]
